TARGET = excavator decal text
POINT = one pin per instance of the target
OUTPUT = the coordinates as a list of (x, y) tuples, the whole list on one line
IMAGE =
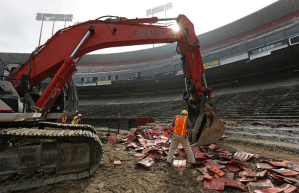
[(148, 33)]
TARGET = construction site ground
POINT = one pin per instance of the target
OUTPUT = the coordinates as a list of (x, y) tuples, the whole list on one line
[(129, 177)]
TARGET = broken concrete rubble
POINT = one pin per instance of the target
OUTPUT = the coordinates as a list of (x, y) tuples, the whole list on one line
[(202, 177), (293, 166), (147, 162), (214, 184), (235, 184), (216, 171), (288, 188), (214, 163), (286, 172), (213, 146), (269, 190), (264, 166), (243, 156), (218, 167), (252, 174), (117, 162), (259, 185), (111, 140), (179, 163)]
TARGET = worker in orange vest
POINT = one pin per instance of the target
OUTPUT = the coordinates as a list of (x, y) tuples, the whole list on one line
[(77, 120), (63, 119), (180, 125)]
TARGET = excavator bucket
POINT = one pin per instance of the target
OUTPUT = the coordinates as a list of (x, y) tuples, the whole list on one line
[(207, 129)]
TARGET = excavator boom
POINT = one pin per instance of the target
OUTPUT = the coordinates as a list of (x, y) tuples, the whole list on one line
[(69, 44)]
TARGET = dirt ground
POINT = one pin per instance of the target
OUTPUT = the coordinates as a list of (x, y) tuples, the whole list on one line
[(130, 178), (270, 151)]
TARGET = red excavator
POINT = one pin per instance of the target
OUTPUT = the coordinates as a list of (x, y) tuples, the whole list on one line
[(34, 153)]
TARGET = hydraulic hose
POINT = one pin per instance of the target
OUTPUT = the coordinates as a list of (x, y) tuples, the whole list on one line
[(31, 55)]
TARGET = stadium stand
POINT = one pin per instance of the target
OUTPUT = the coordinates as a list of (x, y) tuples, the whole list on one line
[(222, 55), (269, 103)]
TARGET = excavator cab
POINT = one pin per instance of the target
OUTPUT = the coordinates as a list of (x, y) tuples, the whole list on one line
[(17, 109), (66, 103)]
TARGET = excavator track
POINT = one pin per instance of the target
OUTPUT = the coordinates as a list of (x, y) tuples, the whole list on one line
[(90, 128), (52, 156)]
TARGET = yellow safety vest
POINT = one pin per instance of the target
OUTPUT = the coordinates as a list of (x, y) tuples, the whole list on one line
[(75, 120)]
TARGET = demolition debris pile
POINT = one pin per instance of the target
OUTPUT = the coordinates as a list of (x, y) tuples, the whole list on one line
[(218, 168)]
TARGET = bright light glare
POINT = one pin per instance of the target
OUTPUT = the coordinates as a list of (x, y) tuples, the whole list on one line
[(175, 27)]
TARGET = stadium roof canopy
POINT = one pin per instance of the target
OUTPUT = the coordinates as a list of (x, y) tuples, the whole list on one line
[(230, 32)]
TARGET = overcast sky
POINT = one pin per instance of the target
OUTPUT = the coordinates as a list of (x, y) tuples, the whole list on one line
[(19, 31)]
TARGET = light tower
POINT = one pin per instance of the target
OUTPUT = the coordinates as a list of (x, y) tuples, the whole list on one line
[(52, 17)]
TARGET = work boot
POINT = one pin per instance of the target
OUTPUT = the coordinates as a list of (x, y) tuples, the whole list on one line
[(192, 164)]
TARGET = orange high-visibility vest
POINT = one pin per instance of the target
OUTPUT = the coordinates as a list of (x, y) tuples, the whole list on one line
[(180, 125), (63, 119)]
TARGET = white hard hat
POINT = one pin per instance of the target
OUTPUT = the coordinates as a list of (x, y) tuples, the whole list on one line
[(79, 115)]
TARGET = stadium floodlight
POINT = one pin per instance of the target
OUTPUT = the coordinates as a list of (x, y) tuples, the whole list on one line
[(159, 9), (52, 17)]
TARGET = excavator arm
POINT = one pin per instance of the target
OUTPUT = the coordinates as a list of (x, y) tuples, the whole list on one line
[(60, 54)]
